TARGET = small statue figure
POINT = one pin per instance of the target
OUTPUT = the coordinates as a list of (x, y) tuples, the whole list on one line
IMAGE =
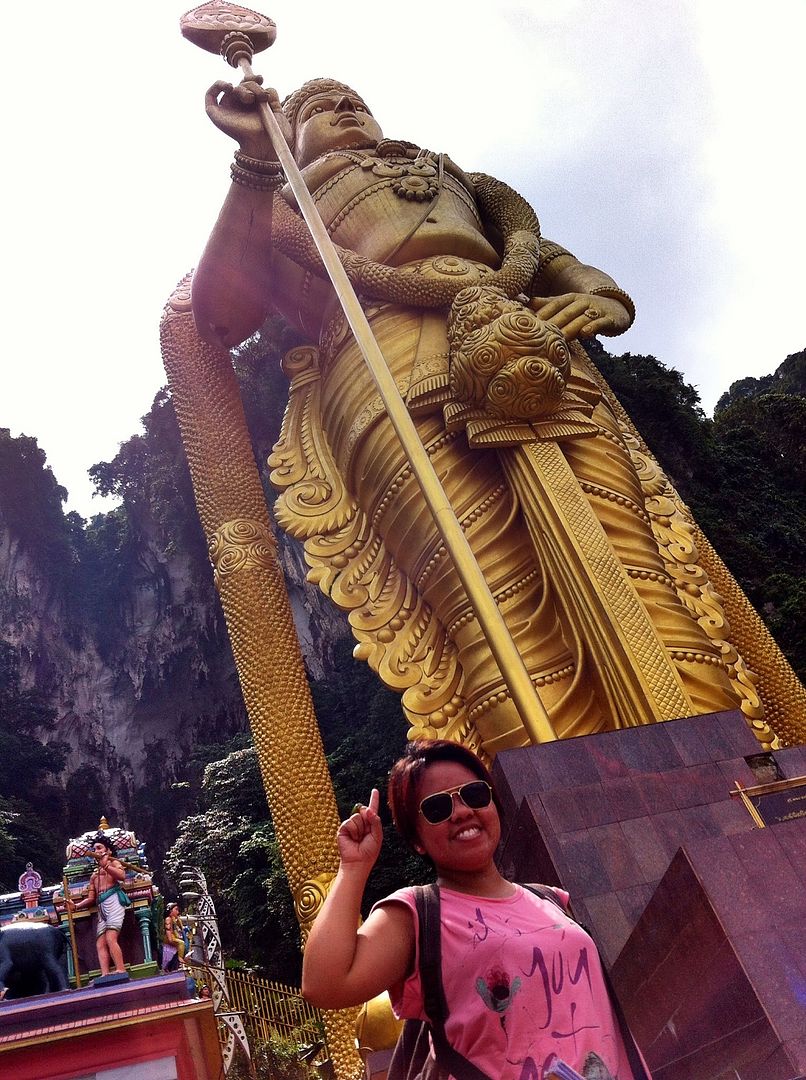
[(175, 942), (105, 891)]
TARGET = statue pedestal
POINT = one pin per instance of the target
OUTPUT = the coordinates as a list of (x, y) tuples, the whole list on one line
[(113, 979), (606, 816), (715, 970)]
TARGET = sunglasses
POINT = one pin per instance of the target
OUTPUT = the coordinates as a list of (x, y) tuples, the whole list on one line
[(438, 807)]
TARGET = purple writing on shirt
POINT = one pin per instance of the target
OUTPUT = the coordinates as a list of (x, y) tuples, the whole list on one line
[(553, 984)]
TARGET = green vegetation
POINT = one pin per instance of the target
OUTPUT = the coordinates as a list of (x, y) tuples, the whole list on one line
[(277, 1059)]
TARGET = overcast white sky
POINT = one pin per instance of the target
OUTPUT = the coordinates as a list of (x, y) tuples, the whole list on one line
[(661, 140)]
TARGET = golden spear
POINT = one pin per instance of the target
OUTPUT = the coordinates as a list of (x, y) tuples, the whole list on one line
[(237, 33)]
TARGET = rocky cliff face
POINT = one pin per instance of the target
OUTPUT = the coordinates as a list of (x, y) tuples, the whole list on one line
[(129, 646)]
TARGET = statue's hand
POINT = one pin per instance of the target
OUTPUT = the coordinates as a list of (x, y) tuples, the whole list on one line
[(580, 315), (360, 836), (234, 109)]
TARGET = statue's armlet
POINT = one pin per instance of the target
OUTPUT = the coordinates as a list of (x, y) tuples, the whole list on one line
[(553, 259)]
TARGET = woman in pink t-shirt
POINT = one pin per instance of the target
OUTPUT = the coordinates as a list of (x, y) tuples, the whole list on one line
[(522, 981)]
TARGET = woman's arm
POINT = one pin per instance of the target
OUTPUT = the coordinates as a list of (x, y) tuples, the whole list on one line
[(343, 964)]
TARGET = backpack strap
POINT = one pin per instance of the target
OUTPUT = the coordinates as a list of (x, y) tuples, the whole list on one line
[(434, 1003), (630, 1045)]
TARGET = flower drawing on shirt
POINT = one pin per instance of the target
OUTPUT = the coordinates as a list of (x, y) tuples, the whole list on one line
[(497, 990)]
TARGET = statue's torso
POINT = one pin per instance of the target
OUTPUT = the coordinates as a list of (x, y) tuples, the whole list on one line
[(391, 209)]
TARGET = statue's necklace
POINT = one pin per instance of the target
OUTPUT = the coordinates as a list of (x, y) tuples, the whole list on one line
[(416, 179)]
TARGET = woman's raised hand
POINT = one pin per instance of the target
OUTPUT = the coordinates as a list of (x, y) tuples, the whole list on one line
[(361, 835)]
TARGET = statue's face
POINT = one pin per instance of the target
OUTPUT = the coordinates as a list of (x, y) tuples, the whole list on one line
[(333, 120)]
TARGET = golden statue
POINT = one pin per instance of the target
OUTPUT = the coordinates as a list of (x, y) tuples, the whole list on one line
[(588, 550), (586, 598)]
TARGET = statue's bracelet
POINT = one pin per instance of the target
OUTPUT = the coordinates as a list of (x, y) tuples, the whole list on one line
[(612, 292), (258, 165)]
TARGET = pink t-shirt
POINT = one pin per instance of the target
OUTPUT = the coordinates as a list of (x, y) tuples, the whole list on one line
[(523, 983)]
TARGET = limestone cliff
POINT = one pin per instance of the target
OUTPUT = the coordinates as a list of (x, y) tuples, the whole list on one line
[(117, 625)]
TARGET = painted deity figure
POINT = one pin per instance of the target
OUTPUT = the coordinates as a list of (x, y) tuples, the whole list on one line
[(587, 549), (105, 892), (175, 941)]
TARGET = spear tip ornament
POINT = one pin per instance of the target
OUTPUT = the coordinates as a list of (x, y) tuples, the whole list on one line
[(229, 30)]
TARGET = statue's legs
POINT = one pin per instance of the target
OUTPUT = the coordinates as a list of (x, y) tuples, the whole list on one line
[(544, 622), (607, 474), (369, 455)]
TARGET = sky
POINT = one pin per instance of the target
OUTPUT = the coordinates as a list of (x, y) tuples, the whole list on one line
[(660, 140)]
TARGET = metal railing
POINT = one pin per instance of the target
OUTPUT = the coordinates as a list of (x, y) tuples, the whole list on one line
[(269, 1008)]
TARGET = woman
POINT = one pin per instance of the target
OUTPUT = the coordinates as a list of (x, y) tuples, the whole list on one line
[(523, 982), (173, 949)]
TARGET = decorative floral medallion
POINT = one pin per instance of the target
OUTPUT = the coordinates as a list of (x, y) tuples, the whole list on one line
[(417, 180)]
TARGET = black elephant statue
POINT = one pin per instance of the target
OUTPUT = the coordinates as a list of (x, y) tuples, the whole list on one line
[(32, 960)]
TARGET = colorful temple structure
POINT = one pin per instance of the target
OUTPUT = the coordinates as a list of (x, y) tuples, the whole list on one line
[(145, 1025), (138, 938), (39, 903)]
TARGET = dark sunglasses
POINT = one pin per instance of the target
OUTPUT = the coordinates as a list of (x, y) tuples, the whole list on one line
[(438, 807)]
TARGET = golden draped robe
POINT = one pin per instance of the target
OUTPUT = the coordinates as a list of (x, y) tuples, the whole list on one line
[(640, 635)]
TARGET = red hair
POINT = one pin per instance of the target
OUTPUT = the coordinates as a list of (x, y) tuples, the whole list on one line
[(401, 793)]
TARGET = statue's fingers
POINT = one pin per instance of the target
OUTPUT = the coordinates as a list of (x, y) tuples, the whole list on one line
[(249, 93), (546, 308), (215, 91), (562, 311), (573, 329), (603, 325)]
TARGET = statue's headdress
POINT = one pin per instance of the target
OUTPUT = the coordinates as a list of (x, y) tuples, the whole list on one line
[(294, 102), (101, 838)]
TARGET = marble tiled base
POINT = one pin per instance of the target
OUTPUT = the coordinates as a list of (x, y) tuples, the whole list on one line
[(713, 977), (606, 816)]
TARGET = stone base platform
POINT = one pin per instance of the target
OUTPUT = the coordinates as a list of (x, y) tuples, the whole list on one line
[(694, 908)]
